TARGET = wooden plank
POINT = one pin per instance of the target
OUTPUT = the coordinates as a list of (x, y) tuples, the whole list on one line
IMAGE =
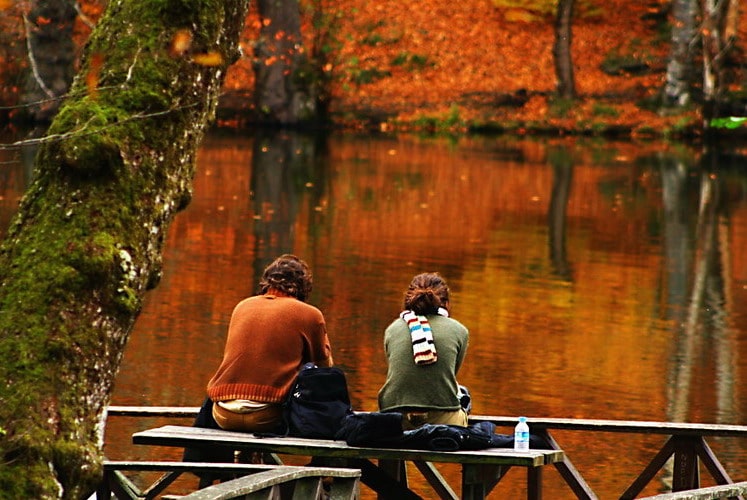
[(645, 477), (147, 466), (237, 488), (710, 493), (568, 471), (153, 411), (478, 480), (436, 480), (712, 464), (183, 436), (686, 471), (629, 426), (121, 486), (116, 482)]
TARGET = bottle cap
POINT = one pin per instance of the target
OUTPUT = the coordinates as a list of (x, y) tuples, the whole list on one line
[(522, 419)]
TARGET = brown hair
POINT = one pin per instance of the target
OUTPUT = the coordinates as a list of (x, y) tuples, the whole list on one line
[(287, 274), (426, 293)]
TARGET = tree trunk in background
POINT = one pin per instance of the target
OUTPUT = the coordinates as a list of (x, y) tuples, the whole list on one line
[(51, 53), (677, 91), (285, 84), (718, 37), (562, 50), (86, 243)]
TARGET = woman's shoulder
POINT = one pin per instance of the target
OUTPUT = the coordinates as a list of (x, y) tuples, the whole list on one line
[(396, 324), (451, 323), (449, 320)]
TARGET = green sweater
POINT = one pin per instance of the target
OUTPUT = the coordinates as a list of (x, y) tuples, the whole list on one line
[(429, 387)]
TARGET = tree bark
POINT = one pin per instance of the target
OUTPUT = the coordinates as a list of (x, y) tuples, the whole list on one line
[(51, 54), (717, 40), (562, 50), (677, 90), (86, 244), (285, 88)]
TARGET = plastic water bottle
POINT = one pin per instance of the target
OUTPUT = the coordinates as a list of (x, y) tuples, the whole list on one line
[(521, 435)]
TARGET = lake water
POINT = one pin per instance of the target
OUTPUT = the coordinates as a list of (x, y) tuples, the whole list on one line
[(597, 279)]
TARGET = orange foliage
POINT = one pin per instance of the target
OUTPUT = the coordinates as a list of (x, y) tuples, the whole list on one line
[(180, 42), (470, 57), (403, 62), (92, 77), (208, 59)]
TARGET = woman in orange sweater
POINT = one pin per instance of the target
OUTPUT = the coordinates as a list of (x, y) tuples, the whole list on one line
[(270, 337)]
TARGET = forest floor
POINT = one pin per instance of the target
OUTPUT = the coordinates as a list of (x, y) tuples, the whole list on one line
[(485, 65)]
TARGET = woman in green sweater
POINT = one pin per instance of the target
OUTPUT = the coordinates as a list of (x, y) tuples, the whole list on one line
[(425, 349)]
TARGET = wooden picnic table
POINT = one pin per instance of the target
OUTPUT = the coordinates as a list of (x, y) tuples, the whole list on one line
[(686, 442), (481, 469)]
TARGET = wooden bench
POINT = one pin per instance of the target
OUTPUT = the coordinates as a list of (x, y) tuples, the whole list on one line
[(262, 480), (733, 490), (686, 443), (481, 469)]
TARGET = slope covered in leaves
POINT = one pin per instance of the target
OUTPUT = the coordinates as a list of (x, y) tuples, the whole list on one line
[(436, 64), (439, 64)]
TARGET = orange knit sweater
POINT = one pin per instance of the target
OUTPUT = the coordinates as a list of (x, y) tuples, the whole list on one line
[(269, 339)]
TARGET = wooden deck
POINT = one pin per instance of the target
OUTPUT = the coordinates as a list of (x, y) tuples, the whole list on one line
[(685, 442)]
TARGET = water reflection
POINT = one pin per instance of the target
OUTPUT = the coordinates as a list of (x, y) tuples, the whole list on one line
[(598, 280), (285, 165), (562, 164)]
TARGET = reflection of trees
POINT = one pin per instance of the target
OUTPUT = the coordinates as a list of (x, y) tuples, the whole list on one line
[(676, 242), (695, 279), (562, 164), (285, 166)]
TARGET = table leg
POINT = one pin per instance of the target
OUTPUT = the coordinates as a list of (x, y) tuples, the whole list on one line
[(686, 474), (534, 483), (382, 482), (479, 480)]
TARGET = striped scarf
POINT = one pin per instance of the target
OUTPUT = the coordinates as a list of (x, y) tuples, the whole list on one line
[(423, 347)]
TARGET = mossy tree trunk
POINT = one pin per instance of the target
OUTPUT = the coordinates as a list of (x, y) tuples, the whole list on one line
[(86, 244)]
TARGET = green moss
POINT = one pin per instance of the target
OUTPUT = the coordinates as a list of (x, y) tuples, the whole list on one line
[(127, 300), (600, 109), (411, 62), (560, 107), (73, 265)]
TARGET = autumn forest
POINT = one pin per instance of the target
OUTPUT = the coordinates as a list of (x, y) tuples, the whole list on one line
[(493, 65)]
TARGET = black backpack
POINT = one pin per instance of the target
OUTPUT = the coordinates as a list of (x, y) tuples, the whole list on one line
[(317, 403)]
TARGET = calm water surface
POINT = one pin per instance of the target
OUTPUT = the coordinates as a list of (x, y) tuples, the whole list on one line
[(597, 279)]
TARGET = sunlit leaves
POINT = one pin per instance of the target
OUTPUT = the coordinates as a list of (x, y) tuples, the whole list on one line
[(92, 77), (180, 43), (208, 59), (6, 4), (729, 122)]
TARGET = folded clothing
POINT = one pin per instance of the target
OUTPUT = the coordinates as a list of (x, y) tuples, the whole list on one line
[(384, 430)]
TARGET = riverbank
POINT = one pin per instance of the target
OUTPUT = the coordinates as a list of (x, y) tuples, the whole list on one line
[(487, 66)]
